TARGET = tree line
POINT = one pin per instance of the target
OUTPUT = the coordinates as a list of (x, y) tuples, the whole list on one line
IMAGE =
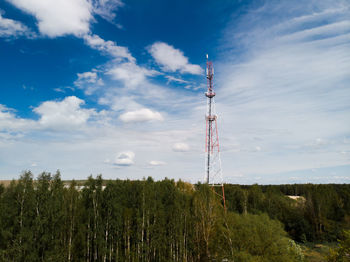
[(147, 220), (321, 212)]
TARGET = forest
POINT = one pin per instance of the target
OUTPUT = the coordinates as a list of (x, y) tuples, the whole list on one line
[(47, 219)]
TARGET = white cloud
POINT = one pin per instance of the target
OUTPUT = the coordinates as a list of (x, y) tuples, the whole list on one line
[(89, 77), (119, 26), (89, 82), (328, 30), (86, 150), (63, 89), (13, 28), (109, 47), (65, 17), (156, 163), (9, 122), (117, 103), (124, 158), (65, 114), (181, 147), (58, 18), (287, 95), (289, 87), (175, 79), (317, 143), (107, 8), (141, 115), (171, 59), (130, 74)]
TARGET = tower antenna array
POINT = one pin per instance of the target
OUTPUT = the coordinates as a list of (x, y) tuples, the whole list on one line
[(213, 171)]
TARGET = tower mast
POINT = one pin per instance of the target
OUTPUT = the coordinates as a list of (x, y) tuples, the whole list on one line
[(213, 171), (209, 118)]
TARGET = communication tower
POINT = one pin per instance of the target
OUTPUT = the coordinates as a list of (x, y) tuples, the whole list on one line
[(213, 171)]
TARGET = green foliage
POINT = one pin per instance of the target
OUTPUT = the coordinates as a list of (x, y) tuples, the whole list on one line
[(342, 252), (123, 220), (320, 214), (256, 238)]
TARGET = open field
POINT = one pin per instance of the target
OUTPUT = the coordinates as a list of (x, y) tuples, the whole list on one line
[(5, 182)]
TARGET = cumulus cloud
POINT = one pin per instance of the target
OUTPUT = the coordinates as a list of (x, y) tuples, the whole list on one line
[(89, 82), (9, 122), (171, 59), (142, 115), (13, 28), (156, 163), (65, 114), (130, 74), (124, 159), (181, 147), (109, 47), (58, 18), (68, 17)]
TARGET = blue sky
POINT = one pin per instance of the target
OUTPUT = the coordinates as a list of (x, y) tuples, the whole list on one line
[(116, 88)]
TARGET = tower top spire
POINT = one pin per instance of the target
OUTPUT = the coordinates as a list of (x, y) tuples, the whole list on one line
[(210, 75)]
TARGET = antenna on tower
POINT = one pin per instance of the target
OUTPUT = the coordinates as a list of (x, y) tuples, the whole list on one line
[(213, 171)]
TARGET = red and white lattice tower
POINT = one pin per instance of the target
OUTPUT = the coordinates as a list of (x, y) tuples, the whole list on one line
[(213, 171)]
